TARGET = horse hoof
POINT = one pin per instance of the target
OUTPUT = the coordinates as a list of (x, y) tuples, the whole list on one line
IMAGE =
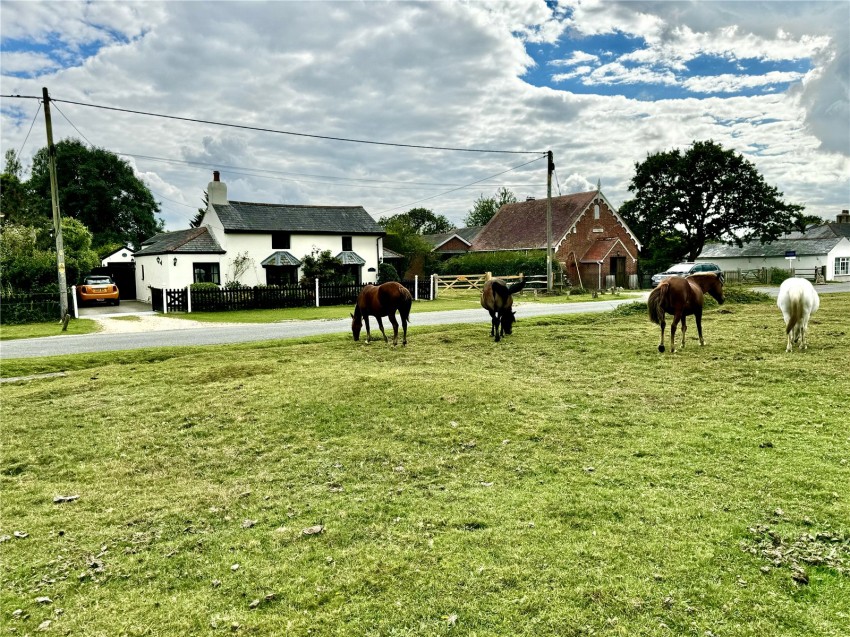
[(661, 348)]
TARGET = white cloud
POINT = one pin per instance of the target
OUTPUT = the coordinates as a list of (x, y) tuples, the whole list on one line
[(578, 57), (442, 74), (728, 83), (25, 62)]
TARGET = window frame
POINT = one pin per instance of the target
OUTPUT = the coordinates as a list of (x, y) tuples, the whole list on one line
[(347, 240), (212, 268), (281, 240), (842, 266)]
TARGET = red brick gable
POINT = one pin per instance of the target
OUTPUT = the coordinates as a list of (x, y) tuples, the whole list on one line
[(522, 226), (455, 244)]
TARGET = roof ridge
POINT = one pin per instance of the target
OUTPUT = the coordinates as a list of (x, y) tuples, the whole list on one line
[(289, 205)]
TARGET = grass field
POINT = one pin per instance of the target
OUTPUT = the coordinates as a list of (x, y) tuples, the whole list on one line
[(569, 480), (54, 328)]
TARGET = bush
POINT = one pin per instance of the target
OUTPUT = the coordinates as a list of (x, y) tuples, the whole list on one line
[(778, 275), (387, 272), (577, 291), (735, 293), (532, 262), (630, 309), (204, 286)]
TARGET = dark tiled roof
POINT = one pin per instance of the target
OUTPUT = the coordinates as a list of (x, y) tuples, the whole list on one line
[(347, 257), (803, 247), (840, 229), (522, 226), (599, 249), (193, 240), (242, 216), (466, 234), (281, 257), (469, 233)]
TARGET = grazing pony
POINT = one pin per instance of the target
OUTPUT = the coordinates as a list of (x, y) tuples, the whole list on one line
[(798, 300), (681, 297), (497, 299), (378, 301)]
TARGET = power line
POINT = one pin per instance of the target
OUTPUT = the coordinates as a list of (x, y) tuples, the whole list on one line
[(282, 132)]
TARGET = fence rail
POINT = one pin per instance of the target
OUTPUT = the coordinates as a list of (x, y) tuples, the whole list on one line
[(268, 297)]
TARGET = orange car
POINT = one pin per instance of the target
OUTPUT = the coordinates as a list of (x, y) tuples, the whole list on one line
[(97, 288)]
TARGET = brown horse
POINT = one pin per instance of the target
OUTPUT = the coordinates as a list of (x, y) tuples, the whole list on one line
[(497, 299), (681, 297), (378, 301)]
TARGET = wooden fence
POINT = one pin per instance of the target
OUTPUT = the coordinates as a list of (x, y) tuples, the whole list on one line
[(476, 281), (17, 309), (269, 297)]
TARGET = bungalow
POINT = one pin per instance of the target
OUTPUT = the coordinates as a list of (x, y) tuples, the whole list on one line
[(826, 246), (258, 244), (589, 239), (451, 244)]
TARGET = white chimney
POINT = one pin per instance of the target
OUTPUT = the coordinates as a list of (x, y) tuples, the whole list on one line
[(217, 191)]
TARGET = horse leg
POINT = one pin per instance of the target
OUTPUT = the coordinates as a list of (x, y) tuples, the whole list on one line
[(493, 325), (676, 319), (663, 325), (497, 326), (394, 323), (368, 333), (684, 329), (404, 327), (381, 325)]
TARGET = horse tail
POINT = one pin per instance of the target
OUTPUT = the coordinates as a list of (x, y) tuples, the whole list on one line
[(655, 304), (516, 287), (406, 304), (795, 309)]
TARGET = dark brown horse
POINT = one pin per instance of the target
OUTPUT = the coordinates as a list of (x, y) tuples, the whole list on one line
[(497, 299), (378, 301), (682, 297)]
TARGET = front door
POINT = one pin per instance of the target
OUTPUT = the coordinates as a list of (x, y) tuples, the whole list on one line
[(618, 269)]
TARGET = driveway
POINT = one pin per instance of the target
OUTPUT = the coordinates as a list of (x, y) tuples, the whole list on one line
[(126, 307)]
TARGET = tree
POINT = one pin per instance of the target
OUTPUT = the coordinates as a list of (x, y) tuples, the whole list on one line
[(704, 194), (14, 199), (199, 217), (100, 190), (419, 220), (321, 265), (485, 207)]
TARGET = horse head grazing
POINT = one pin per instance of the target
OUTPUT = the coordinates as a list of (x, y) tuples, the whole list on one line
[(356, 324), (379, 301), (497, 299)]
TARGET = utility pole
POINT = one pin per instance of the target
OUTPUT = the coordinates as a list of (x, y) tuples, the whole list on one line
[(54, 200), (550, 168)]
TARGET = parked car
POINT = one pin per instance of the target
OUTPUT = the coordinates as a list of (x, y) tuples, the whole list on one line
[(97, 288), (684, 269)]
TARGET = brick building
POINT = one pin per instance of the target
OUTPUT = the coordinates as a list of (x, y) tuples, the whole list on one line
[(589, 239)]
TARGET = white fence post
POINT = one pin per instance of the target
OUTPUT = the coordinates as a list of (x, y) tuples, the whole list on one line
[(189, 299), (317, 291), (416, 287), (76, 309), (164, 302), (433, 287)]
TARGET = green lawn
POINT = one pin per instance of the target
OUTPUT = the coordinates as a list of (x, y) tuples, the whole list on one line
[(569, 480), (36, 330)]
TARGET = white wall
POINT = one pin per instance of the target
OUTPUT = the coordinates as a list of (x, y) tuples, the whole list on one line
[(124, 255), (801, 262), (169, 275)]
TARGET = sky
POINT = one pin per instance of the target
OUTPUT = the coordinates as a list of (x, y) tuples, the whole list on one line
[(600, 84)]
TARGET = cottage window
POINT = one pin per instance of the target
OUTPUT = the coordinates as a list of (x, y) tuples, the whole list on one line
[(280, 241), (346, 244), (842, 265), (596, 211), (206, 273)]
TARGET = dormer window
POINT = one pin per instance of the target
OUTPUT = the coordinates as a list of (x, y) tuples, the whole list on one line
[(346, 244)]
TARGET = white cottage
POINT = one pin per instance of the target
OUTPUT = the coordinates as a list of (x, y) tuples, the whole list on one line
[(258, 244), (825, 246)]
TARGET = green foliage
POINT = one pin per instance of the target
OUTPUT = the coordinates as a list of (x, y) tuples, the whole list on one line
[(415, 250), (28, 256), (204, 286), (99, 189), (704, 194), (14, 197), (499, 263), (321, 265), (777, 275), (417, 220), (630, 309), (578, 290), (387, 272), (737, 293), (485, 207)]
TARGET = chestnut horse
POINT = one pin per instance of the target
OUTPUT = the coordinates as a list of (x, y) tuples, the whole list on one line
[(682, 297), (378, 301), (496, 298)]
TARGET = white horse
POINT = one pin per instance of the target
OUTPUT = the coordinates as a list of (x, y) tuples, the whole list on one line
[(798, 300)]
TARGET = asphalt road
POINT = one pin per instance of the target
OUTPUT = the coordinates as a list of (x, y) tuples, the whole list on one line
[(220, 335), (213, 335)]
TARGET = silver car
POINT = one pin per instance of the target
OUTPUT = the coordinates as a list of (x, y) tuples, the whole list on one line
[(684, 269)]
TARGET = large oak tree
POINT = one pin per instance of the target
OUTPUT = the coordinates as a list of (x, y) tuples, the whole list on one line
[(99, 189), (686, 199)]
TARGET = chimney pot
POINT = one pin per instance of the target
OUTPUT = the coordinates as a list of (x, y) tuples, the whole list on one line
[(216, 176), (529, 198)]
